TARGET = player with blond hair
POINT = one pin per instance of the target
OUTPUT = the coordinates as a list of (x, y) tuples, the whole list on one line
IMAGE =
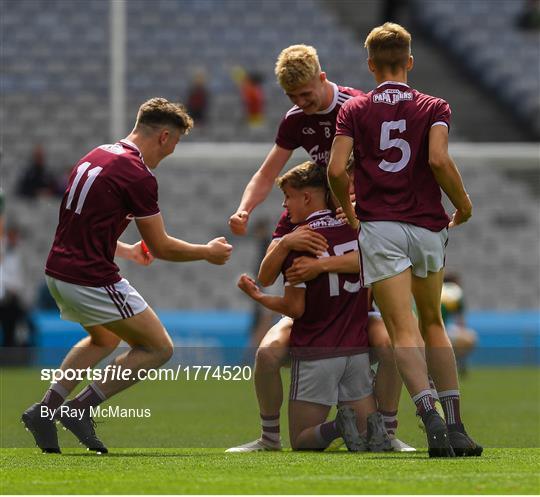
[(309, 124), (400, 141), (109, 187)]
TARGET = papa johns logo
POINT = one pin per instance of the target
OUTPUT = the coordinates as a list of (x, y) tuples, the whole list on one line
[(308, 131), (391, 96)]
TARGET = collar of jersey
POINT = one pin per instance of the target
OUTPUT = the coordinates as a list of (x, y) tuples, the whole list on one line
[(334, 100), (129, 143), (324, 212), (393, 83)]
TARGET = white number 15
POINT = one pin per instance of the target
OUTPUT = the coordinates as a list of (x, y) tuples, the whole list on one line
[(333, 278)]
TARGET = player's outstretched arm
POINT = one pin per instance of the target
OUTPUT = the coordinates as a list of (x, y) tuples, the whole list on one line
[(258, 188), (338, 178), (292, 303), (134, 253), (447, 175), (301, 240), (308, 268), (168, 248)]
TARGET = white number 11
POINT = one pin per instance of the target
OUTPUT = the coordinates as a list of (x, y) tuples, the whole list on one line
[(89, 180)]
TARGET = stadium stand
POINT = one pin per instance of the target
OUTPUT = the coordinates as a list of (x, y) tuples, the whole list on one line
[(54, 80), (487, 40), (495, 253), (58, 88)]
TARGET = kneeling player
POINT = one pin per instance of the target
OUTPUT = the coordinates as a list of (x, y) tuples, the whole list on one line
[(329, 340)]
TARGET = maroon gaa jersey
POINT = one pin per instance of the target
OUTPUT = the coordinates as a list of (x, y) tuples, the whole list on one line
[(392, 179), (314, 133), (107, 189), (334, 322)]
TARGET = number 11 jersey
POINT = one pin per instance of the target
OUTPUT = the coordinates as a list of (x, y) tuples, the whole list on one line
[(392, 179), (108, 188)]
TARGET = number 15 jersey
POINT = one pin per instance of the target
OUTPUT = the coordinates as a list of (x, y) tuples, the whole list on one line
[(108, 188), (335, 319), (393, 180)]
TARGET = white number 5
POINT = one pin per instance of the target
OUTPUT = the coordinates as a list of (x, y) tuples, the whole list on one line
[(386, 143)]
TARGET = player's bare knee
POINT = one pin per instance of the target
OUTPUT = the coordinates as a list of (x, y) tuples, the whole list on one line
[(161, 351), (166, 351), (268, 359)]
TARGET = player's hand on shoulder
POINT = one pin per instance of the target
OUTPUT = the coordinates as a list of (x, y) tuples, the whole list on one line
[(248, 286), (140, 254), (303, 269), (219, 251), (238, 223), (305, 239)]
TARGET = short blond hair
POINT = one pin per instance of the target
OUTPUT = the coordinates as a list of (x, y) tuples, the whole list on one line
[(296, 66), (158, 112), (389, 46), (305, 175)]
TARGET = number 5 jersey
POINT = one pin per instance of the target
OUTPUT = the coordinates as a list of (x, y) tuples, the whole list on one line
[(392, 179)]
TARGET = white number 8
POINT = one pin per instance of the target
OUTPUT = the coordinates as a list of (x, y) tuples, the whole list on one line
[(386, 143)]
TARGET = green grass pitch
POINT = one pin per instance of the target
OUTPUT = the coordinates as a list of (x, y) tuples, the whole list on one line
[(180, 448)]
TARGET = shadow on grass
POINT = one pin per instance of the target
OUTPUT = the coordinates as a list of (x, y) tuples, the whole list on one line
[(134, 454)]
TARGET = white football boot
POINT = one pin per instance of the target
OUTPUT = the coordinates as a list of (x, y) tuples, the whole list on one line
[(399, 446), (258, 445)]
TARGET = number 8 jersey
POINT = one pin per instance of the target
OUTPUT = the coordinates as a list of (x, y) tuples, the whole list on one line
[(108, 188), (393, 180)]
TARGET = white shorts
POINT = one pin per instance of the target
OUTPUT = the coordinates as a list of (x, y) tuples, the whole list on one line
[(91, 306), (387, 248), (331, 381)]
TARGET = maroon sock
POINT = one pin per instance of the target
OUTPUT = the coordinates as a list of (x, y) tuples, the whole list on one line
[(390, 422), (52, 399), (424, 402), (270, 429), (328, 432), (89, 397), (450, 404)]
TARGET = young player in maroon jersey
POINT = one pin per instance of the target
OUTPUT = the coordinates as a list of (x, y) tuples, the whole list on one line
[(310, 124), (109, 187), (329, 342), (400, 142)]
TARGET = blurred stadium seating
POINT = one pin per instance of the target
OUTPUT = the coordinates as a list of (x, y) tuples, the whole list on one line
[(55, 65), (55, 80), (485, 37), (496, 253)]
